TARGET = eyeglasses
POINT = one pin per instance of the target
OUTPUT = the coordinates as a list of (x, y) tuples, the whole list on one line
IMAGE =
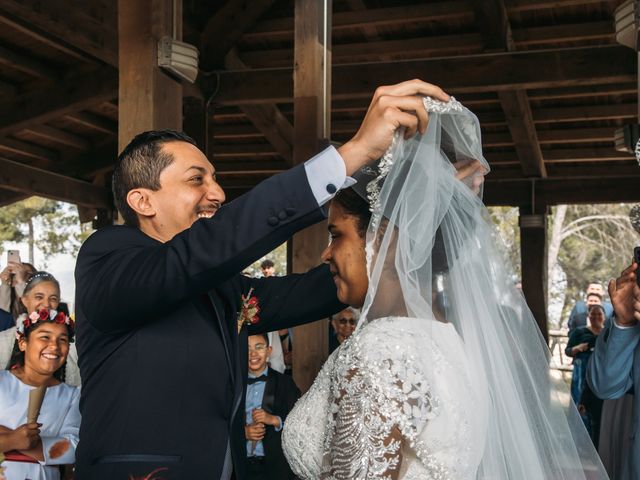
[(344, 321), (258, 347)]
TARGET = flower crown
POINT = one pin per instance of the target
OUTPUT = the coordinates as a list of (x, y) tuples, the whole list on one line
[(25, 321)]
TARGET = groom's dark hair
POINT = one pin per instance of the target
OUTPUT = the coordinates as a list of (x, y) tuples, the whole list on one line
[(140, 165)]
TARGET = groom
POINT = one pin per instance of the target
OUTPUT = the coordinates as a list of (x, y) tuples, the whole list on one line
[(163, 313)]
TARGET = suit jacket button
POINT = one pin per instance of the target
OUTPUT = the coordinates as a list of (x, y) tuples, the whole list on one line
[(331, 188), (273, 221), (290, 211), (282, 215)]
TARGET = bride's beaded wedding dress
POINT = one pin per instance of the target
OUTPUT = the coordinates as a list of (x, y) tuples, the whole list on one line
[(378, 410)]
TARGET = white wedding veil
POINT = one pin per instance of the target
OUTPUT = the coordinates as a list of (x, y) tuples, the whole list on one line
[(433, 254)]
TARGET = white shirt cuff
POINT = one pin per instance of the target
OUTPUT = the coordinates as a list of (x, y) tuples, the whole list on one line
[(326, 175), (622, 327)]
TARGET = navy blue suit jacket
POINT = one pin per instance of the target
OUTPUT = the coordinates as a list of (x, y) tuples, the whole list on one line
[(162, 363)]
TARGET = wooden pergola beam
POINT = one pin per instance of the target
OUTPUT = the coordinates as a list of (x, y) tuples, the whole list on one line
[(440, 45), (225, 28), (59, 136), (517, 111), (554, 191), (35, 152), (532, 5), (267, 118), (495, 72), (576, 171), (378, 17), (7, 197), (85, 33), (26, 64), (49, 101), (94, 122), (27, 180)]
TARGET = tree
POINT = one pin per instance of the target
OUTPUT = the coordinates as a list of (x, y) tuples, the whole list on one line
[(505, 220), (587, 243), (53, 227), (277, 256)]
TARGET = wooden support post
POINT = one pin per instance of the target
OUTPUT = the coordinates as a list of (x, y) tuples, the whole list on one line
[(533, 254), (312, 115), (149, 99)]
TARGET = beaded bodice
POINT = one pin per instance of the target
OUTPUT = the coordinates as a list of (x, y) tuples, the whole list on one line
[(394, 401)]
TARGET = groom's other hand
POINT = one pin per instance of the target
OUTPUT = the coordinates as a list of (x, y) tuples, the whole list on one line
[(625, 297), (254, 432), (392, 107)]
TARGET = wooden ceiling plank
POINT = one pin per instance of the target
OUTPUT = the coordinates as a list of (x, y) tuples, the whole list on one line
[(576, 135), (267, 118), (595, 154), (225, 28), (374, 17), (60, 136), (7, 89), (492, 72), (344, 53), (585, 113), (28, 150), (26, 64), (247, 150), (493, 22), (49, 101), (564, 33), (95, 122), (7, 197), (533, 5), (34, 181), (562, 191), (52, 23)]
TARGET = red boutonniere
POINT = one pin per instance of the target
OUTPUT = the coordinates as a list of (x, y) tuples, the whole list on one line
[(249, 309)]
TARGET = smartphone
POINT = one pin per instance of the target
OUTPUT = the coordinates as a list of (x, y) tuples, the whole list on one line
[(13, 256), (636, 259)]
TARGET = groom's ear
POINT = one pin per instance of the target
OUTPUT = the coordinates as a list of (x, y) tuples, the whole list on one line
[(140, 201)]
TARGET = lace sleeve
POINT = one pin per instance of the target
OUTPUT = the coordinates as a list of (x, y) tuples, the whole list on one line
[(379, 407)]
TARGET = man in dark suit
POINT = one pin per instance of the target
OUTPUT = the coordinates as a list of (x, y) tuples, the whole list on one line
[(162, 352), (270, 397)]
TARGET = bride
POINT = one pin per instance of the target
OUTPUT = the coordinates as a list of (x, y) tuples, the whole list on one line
[(446, 375)]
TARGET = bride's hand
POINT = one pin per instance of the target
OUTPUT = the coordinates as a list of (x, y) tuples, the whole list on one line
[(392, 107), (625, 297), (470, 172)]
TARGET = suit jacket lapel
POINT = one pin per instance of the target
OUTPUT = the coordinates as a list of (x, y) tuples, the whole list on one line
[(268, 399), (224, 333)]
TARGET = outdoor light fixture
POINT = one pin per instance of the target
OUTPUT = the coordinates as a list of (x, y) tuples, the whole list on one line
[(178, 59), (626, 138), (627, 23)]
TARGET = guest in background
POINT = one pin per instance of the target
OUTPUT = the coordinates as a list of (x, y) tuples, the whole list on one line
[(39, 357), (277, 356), (578, 315), (268, 268), (342, 325), (270, 397), (580, 346), (14, 278), (41, 291)]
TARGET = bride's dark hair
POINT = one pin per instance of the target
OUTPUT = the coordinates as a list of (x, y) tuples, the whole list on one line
[(353, 204)]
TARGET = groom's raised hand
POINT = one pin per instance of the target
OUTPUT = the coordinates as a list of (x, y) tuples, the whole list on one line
[(392, 107), (625, 297)]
